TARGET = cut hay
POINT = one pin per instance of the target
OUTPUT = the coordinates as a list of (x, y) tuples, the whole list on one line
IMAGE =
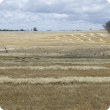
[(71, 39), (79, 63), (102, 40), (56, 67), (91, 34), (91, 40), (63, 80)]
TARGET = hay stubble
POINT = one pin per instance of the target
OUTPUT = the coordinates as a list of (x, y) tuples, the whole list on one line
[(49, 70)]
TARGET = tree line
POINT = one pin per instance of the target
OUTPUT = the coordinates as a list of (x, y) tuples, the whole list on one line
[(34, 29), (106, 26)]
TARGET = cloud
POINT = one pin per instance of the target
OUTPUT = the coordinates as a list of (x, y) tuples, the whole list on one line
[(44, 6), (63, 14)]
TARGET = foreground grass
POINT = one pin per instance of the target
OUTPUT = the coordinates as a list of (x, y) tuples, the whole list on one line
[(59, 97), (54, 73)]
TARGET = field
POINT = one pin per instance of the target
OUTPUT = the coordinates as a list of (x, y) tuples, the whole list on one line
[(55, 70)]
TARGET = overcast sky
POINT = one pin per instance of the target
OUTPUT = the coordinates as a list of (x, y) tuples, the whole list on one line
[(54, 14)]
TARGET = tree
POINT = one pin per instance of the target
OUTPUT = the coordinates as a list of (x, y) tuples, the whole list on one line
[(107, 26), (34, 29), (21, 30)]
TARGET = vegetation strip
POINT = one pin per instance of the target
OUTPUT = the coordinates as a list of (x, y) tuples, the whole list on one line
[(70, 80), (56, 67)]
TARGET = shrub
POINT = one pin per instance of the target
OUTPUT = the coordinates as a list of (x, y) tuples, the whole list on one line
[(107, 26)]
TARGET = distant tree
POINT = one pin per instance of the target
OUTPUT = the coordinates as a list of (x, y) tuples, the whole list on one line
[(34, 29), (107, 26), (21, 30), (48, 30)]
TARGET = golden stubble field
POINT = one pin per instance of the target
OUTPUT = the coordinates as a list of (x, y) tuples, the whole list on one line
[(55, 70)]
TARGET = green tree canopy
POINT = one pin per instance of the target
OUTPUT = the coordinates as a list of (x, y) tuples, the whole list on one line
[(107, 26), (34, 29)]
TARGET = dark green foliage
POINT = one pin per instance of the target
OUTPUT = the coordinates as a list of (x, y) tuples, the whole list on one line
[(34, 29), (107, 26)]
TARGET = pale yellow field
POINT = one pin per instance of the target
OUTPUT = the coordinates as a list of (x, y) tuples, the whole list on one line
[(34, 39), (55, 70)]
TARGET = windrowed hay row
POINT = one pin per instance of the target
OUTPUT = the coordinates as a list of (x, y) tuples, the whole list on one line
[(103, 35), (78, 39), (91, 40), (64, 80), (93, 35), (57, 38), (102, 40), (96, 40), (56, 67), (83, 35), (107, 40), (70, 39), (80, 63)]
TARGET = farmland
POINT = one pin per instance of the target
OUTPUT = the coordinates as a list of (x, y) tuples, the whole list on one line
[(55, 70)]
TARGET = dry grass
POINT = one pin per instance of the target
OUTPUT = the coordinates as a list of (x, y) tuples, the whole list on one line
[(33, 39), (55, 67), (64, 80), (54, 73), (45, 72), (68, 97)]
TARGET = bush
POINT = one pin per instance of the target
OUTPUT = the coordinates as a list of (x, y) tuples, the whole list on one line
[(34, 29), (107, 26)]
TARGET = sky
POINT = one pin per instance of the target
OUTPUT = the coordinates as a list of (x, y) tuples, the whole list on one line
[(54, 15)]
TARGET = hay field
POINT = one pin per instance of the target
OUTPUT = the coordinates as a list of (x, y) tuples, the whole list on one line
[(55, 70)]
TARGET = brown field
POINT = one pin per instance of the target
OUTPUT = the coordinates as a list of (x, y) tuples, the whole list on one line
[(55, 70)]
